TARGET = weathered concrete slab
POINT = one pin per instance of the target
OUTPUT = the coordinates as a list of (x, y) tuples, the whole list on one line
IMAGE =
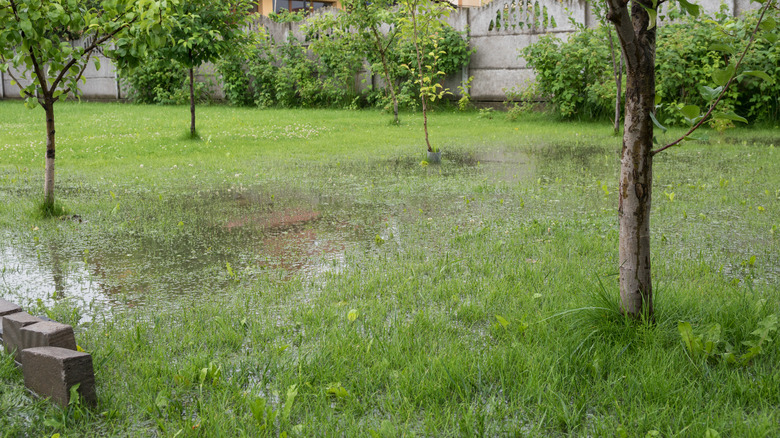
[(52, 371), (12, 326), (48, 334)]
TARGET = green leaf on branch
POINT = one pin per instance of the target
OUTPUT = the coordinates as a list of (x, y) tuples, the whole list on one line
[(722, 77), (710, 94), (731, 115), (656, 123), (768, 24), (690, 111), (653, 14), (690, 8), (720, 47), (759, 74), (692, 137)]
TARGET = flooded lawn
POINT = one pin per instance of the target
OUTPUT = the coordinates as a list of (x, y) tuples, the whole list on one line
[(234, 235), (313, 262)]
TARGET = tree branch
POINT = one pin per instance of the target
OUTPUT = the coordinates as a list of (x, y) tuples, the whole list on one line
[(88, 50), (22, 91), (620, 16), (725, 87)]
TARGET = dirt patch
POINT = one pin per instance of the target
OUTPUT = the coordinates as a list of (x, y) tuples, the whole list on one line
[(275, 219)]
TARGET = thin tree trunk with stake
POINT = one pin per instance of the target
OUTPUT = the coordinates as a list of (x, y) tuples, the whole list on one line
[(192, 103)]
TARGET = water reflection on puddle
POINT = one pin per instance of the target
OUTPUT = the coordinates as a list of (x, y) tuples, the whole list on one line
[(27, 275), (128, 275)]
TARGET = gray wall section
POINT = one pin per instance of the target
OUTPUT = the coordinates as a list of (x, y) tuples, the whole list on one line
[(497, 30)]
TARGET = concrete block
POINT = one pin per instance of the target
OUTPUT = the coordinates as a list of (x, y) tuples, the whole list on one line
[(47, 334), (12, 326), (52, 371), (6, 308)]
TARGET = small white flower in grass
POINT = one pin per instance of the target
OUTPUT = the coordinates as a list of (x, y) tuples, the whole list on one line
[(141, 166)]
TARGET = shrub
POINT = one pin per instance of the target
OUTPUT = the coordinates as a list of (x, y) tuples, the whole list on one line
[(288, 74), (162, 81), (576, 75)]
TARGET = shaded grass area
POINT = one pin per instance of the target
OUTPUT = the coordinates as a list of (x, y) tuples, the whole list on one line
[(475, 298)]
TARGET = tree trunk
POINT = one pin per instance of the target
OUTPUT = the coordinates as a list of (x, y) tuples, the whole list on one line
[(636, 170), (420, 69), (617, 70), (391, 87), (193, 133), (48, 181), (388, 80)]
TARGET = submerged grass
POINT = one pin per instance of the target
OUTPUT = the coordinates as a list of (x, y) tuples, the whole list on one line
[(309, 259)]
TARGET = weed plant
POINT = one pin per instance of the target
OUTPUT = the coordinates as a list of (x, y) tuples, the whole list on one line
[(473, 298)]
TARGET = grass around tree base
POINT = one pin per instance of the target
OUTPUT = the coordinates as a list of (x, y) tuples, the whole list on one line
[(305, 272)]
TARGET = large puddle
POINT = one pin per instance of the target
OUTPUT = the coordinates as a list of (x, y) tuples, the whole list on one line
[(129, 272), (231, 236)]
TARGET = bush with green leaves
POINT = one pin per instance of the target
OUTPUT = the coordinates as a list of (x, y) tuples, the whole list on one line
[(283, 74), (576, 75), (322, 74), (162, 81), (453, 53)]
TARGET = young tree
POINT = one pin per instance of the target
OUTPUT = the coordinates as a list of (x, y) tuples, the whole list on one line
[(365, 29), (39, 49), (205, 31), (368, 18), (636, 31), (421, 23)]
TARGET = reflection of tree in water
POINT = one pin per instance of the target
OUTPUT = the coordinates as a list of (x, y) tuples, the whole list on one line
[(111, 283), (56, 271)]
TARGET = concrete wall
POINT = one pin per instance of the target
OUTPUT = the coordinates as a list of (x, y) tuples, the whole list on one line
[(497, 30), (98, 84)]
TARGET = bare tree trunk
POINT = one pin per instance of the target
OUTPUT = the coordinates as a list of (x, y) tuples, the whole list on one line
[(192, 103), (636, 169), (388, 80), (391, 87), (48, 182)]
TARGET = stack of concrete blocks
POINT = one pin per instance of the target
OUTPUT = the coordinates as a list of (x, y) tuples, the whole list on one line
[(46, 351)]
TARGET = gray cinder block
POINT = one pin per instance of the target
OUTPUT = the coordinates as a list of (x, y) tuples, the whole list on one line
[(12, 326), (47, 334), (52, 371)]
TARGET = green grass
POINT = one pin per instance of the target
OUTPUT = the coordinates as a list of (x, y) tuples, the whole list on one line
[(483, 290)]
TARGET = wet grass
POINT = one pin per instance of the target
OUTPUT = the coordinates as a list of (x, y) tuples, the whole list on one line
[(311, 260)]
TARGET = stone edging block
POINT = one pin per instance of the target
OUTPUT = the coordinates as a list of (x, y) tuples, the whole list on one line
[(46, 351), (12, 326), (52, 371), (48, 334), (7, 308)]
